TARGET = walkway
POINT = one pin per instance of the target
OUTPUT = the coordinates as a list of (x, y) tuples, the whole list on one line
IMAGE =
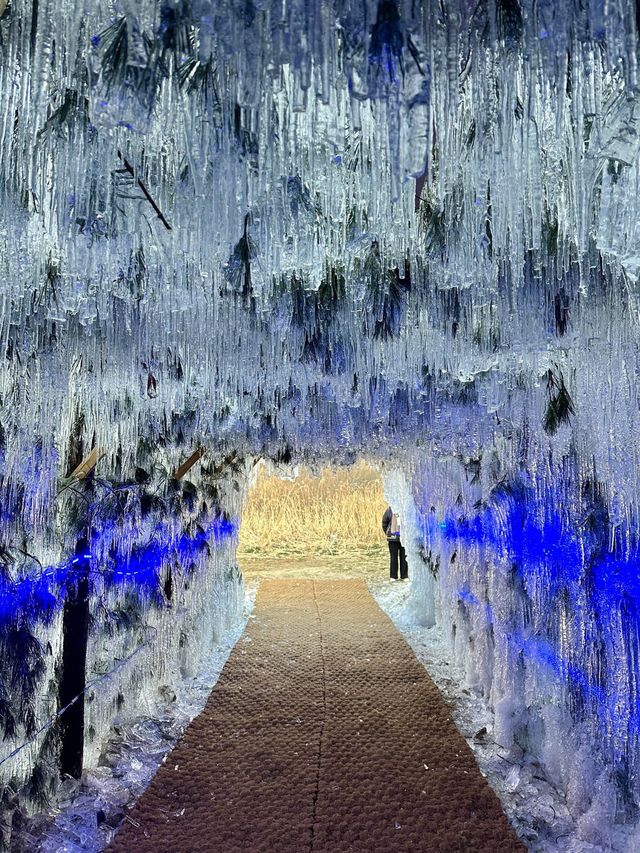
[(323, 734)]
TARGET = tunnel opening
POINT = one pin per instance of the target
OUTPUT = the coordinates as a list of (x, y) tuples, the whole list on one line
[(321, 523)]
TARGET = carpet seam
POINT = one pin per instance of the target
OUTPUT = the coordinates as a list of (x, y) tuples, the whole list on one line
[(322, 725)]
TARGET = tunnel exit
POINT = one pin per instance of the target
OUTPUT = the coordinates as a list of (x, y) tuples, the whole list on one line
[(304, 523)]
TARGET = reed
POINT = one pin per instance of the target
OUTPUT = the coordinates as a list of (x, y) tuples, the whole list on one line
[(336, 514)]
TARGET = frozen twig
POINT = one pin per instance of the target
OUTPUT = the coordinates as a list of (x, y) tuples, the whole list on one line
[(129, 168)]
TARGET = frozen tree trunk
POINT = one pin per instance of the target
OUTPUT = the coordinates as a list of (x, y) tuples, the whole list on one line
[(75, 635)]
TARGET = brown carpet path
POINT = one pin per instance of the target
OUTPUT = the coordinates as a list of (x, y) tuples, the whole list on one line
[(323, 734)]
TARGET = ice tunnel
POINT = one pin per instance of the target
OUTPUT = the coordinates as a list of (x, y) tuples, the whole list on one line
[(283, 233)]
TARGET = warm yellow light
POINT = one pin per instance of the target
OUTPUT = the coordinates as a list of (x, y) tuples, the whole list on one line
[(335, 516)]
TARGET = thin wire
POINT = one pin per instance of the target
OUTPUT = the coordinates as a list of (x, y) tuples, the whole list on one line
[(90, 684)]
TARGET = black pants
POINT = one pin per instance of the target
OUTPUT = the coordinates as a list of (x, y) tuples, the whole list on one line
[(396, 549)]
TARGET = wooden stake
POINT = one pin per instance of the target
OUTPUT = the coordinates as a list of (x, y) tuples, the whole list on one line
[(88, 464), (179, 473)]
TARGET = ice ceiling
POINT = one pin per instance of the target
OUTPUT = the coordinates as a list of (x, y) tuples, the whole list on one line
[(316, 225)]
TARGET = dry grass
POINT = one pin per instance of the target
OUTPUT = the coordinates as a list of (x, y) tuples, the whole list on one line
[(336, 515)]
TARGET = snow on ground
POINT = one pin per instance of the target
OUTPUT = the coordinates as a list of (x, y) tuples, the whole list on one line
[(86, 816), (535, 808)]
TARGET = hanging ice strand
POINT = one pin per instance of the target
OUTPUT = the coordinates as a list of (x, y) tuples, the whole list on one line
[(315, 231)]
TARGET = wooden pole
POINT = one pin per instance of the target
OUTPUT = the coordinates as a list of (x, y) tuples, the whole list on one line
[(88, 464), (75, 631), (179, 473), (75, 638)]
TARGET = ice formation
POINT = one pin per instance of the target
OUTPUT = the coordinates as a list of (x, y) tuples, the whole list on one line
[(309, 231)]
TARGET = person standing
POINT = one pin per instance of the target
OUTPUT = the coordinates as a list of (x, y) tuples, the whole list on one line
[(397, 554)]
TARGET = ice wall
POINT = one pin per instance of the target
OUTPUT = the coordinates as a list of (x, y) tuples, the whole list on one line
[(162, 647), (539, 605), (162, 587)]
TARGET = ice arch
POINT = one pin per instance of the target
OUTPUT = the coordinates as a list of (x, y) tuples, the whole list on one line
[(308, 231)]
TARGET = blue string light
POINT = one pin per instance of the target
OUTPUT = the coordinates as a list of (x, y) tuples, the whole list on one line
[(545, 543), (37, 598)]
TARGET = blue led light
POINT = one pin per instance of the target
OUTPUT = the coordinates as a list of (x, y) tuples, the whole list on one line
[(540, 544), (38, 598)]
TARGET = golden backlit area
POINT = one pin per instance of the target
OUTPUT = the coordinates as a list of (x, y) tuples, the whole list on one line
[(324, 525)]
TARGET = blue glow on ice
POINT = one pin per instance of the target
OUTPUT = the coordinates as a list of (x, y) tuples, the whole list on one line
[(38, 598)]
